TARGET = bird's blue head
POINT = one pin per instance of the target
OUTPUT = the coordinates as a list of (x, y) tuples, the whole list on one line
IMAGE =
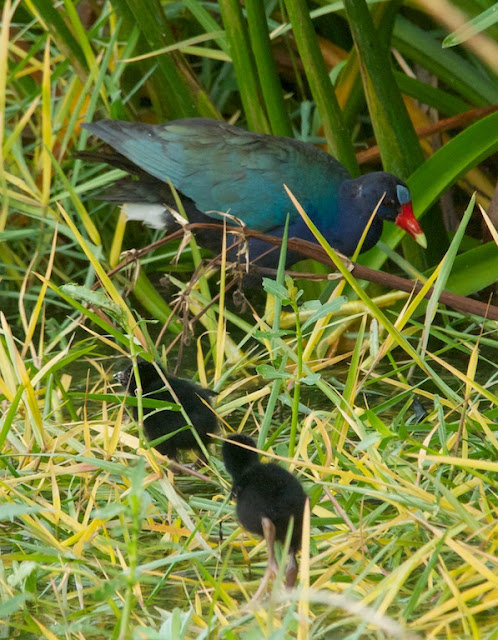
[(359, 198)]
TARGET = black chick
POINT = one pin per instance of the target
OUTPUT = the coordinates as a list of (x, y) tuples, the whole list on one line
[(160, 422), (268, 497)]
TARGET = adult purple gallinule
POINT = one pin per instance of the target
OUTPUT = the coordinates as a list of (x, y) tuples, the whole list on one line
[(268, 499), (220, 168), (194, 399)]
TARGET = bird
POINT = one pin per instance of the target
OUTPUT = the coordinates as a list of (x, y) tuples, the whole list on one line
[(195, 400), (268, 499), (220, 168)]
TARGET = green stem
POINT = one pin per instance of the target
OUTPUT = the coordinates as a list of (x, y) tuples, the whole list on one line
[(135, 511), (267, 70), (297, 386), (336, 131), (244, 65), (398, 143)]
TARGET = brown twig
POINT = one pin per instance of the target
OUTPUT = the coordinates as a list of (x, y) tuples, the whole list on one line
[(460, 120), (312, 250)]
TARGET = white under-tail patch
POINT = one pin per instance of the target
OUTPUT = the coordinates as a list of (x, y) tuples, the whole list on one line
[(153, 215)]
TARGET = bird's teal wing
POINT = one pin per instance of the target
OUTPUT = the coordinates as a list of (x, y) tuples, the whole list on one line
[(227, 169)]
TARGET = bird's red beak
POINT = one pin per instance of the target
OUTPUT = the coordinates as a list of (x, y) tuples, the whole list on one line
[(409, 223)]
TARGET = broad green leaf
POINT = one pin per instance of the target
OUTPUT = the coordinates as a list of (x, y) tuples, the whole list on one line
[(11, 605), (329, 307), (275, 289), (463, 152), (10, 511), (270, 373), (474, 270)]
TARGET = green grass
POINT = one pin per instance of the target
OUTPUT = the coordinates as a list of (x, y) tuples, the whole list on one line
[(98, 538), (98, 535)]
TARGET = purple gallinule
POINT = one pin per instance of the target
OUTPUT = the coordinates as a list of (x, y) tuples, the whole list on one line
[(220, 168)]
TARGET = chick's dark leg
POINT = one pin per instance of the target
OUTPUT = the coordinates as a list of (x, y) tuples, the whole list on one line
[(272, 568), (291, 570)]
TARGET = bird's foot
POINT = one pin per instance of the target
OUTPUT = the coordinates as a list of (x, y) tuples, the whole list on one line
[(270, 574)]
